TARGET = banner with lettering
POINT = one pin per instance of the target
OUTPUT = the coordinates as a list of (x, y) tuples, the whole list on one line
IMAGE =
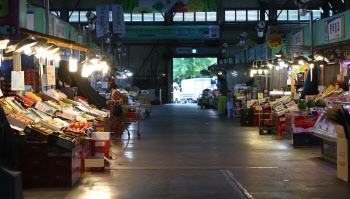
[(150, 6), (102, 12), (118, 19), (9, 19)]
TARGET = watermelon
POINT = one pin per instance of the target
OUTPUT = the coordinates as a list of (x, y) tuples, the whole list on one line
[(302, 105), (311, 103), (320, 103)]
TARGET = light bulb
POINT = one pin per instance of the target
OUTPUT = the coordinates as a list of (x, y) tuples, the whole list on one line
[(311, 65), (301, 62), (57, 58), (73, 63), (277, 67), (260, 72), (282, 64), (265, 71)]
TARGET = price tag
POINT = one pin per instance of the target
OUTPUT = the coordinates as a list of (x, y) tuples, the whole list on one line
[(17, 80)]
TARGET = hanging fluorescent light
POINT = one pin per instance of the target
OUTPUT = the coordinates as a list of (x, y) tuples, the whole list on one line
[(57, 55), (301, 60), (129, 74), (321, 63), (73, 62), (282, 64), (86, 70), (3, 43), (25, 44)]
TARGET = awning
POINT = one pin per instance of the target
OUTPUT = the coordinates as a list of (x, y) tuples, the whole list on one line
[(57, 41)]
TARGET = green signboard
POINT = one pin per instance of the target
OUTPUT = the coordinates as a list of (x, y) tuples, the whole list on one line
[(172, 32), (149, 6)]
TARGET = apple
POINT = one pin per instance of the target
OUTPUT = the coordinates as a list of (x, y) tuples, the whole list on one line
[(77, 125), (81, 125)]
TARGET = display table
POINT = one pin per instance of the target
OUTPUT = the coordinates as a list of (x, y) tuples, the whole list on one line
[(299, 126)]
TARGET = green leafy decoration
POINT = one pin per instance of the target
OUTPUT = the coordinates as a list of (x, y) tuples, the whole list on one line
[(159, 6)]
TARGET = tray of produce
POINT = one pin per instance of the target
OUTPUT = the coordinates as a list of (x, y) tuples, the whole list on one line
[(65, 116), (64, 140)]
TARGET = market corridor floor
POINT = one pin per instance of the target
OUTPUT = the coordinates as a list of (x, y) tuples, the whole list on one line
[(189, 152)]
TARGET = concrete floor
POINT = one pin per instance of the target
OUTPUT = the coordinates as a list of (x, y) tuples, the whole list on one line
[(188, 152)]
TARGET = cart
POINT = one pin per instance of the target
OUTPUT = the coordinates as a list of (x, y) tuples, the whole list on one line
[(131, 115), (266, 121)]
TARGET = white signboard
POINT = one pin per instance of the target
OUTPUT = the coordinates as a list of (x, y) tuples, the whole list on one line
[(118, 18), (298, 38), (17, 80), (51, 76), (60, 29), (183, 50), (334, 28), (44, 80)]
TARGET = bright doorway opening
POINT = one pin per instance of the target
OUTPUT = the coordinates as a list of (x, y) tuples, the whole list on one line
[(188, 82)]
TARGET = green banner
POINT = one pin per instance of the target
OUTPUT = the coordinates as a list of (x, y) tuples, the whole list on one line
[(172, 32), (149, 6)]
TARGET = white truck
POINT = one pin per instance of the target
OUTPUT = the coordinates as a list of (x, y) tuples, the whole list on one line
[(190, 89)]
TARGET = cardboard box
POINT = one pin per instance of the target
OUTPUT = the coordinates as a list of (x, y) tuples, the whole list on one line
[(100, 154), (342, 153), (100, 135), (94, 163), (64, 179)]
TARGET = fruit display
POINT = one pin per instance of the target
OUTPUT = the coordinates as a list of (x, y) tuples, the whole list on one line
[(33, 97), (41, 128), (65, 116), (53, 122), (78, 126), (21, 118), (64, 140)]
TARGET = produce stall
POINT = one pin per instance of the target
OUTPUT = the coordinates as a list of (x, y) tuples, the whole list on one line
[(54, 136)]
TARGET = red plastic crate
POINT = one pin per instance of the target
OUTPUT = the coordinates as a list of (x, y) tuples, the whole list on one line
[(100, 145)]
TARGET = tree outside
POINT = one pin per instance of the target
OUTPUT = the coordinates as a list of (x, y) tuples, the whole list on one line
[(187, 68)]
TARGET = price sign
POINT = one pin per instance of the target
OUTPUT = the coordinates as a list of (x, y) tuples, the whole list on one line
[(17, 80), (275, 41), (51, 76), (334, 28)]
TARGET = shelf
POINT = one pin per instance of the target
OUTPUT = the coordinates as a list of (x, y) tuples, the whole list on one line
[(323, 135)]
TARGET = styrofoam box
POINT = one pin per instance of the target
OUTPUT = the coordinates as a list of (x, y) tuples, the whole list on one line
[(100, 135)]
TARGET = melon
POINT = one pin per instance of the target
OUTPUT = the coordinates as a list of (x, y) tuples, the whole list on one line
[(320, 103), (302, 105), (311, 103)]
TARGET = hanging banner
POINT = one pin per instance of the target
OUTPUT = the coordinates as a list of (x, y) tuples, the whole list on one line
[(149, 6), (118, 19), (102, 24), (51, 76), (298, 38), (334, 28), (80, 38), (251, 54), (60, 29), (172, 32), (275, 41), (17, 80), (9, 19)]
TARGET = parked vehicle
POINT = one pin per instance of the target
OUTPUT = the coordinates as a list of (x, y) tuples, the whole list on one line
[(190, 89)]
